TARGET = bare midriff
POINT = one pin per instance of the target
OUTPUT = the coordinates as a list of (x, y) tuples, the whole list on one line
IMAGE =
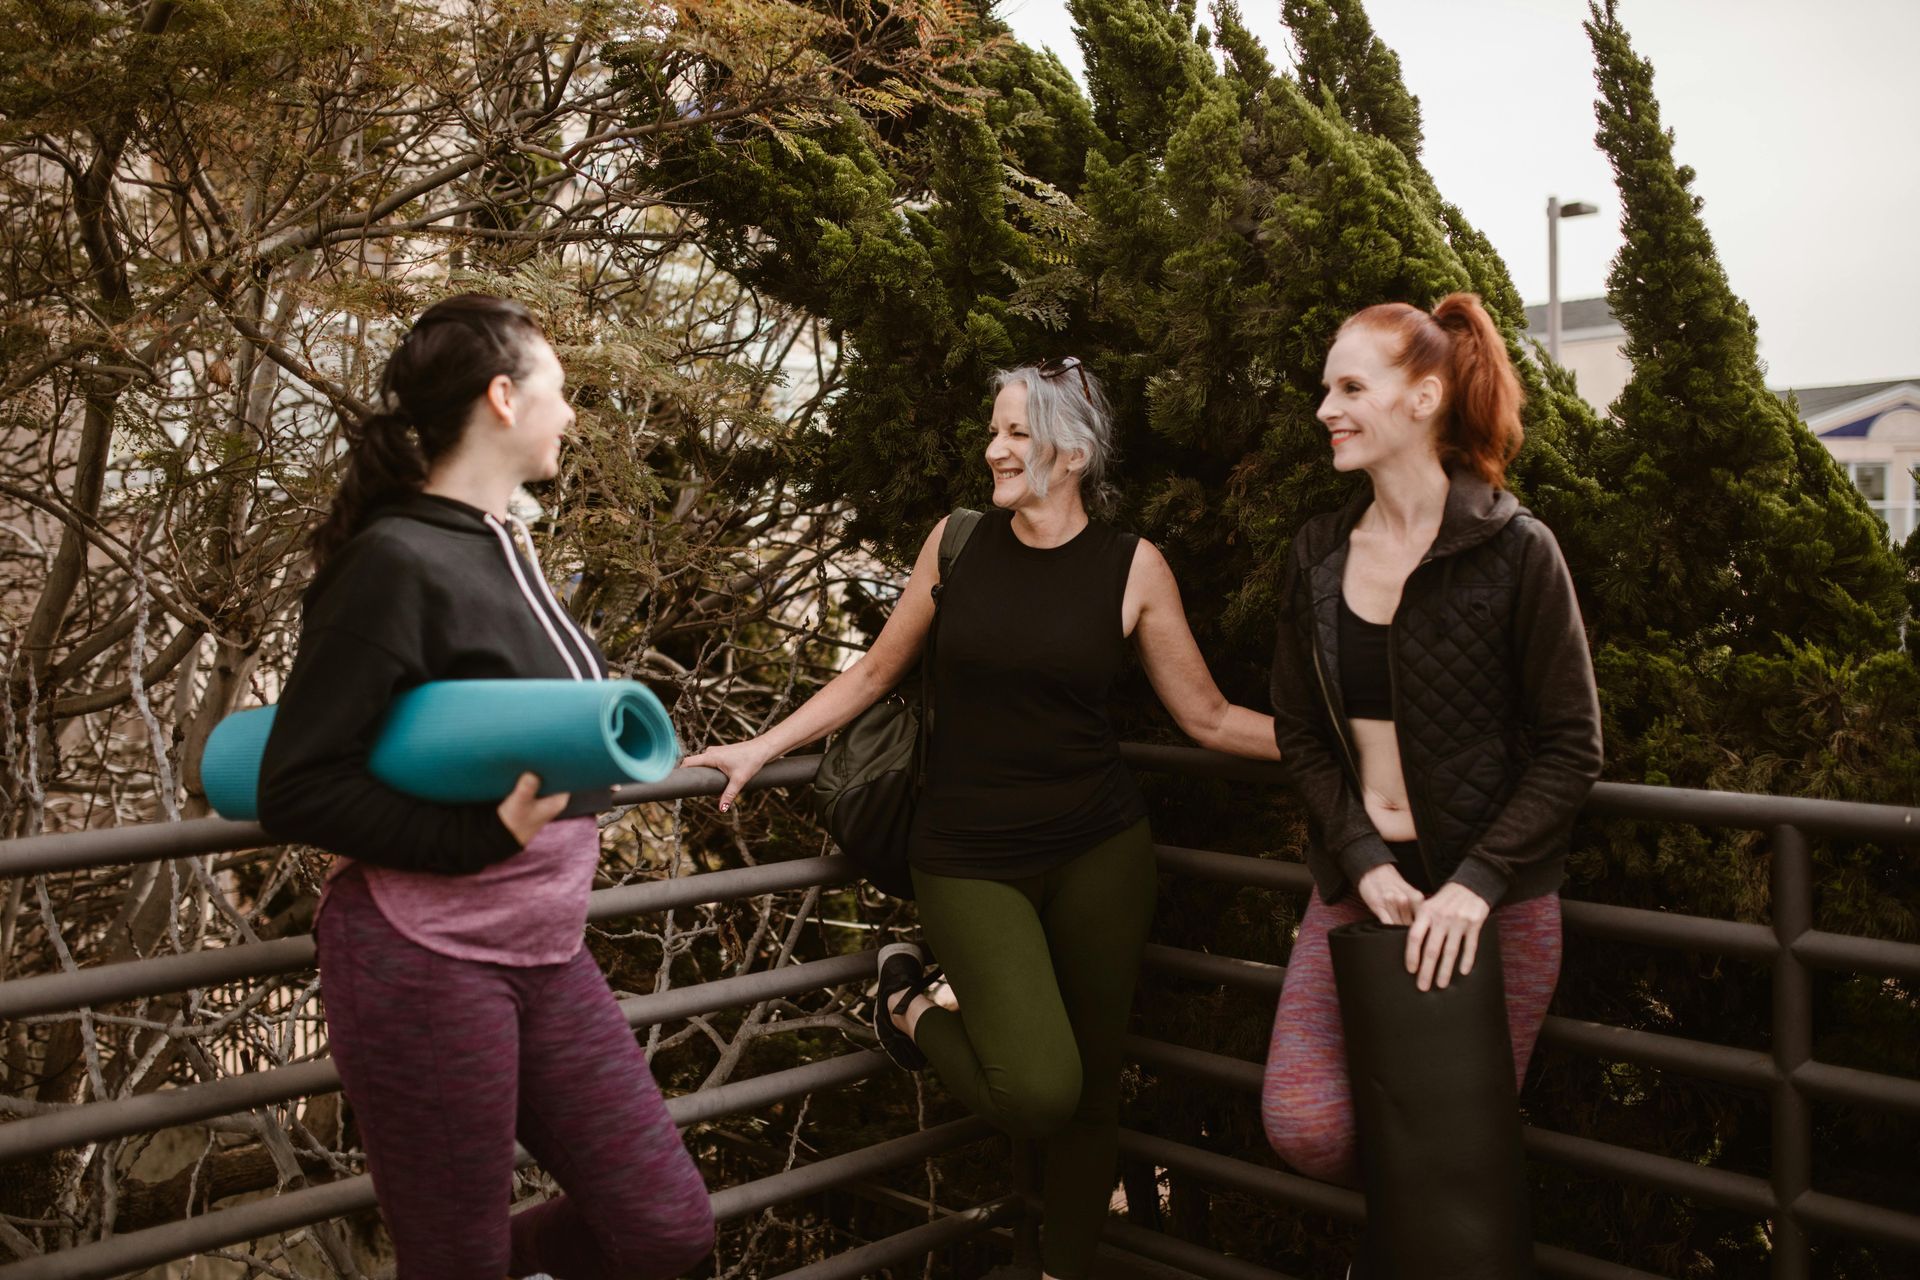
[(1383, 788)]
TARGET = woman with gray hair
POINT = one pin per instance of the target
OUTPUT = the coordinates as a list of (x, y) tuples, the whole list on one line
[(1032, 862)]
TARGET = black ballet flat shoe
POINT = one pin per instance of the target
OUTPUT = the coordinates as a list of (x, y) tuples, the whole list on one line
[(904, 974)]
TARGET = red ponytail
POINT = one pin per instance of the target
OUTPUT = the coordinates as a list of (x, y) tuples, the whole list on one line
[(1459, 343)]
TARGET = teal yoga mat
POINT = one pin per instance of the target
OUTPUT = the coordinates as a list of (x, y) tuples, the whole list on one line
[(468, 741)]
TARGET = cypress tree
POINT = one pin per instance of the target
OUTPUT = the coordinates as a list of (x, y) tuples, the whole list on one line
[(1744, 604), (1196, 226), (1729, 521)]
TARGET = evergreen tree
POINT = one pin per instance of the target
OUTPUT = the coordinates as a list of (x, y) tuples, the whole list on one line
[(1729, 522), (1744, 604), (1197, 226), (1340, 58)]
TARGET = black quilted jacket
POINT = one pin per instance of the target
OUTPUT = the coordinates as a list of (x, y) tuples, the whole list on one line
[(1493, 701)]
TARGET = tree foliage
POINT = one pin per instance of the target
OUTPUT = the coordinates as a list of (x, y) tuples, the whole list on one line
[(1226, 217), (782, 247), (216, 219)]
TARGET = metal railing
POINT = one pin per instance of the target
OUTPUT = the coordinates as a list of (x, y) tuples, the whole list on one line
[(1788, 1075)]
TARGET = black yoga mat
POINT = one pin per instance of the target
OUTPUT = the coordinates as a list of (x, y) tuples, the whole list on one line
[(1439, 1124)]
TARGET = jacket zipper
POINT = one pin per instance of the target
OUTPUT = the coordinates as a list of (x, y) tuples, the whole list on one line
[(1393, 694), (1334, 714)]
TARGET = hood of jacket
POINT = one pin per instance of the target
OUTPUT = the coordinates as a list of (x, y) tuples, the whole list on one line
[(1475, 512)]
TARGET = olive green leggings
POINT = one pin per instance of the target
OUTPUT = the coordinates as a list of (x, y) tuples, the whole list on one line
[(1044, 970)]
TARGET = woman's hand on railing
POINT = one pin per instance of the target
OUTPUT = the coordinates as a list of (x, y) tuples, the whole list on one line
[(1388, 895), (525, 812), (738, 760), (1446, 927)]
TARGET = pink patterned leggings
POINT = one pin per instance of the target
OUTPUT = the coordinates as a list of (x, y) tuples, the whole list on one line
[(447, 1061), (1307, 1103)]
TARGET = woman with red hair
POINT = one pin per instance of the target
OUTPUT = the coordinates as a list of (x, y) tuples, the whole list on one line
[(1433, 701)]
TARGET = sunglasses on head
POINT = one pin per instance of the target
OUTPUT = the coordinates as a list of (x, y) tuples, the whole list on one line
[(1052, 369)]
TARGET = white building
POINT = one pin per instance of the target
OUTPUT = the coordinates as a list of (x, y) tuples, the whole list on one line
[(1871, 428), (1593, 347)]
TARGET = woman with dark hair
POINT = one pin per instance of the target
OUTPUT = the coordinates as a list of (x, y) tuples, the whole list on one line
[(462, 1009), (1433, 699), (1032, 862)]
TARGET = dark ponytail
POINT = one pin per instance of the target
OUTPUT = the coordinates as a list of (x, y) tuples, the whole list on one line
[(427, 390), (1460, 343)]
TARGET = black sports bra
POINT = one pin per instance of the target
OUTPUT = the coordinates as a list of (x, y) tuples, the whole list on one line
[(1366, 684)]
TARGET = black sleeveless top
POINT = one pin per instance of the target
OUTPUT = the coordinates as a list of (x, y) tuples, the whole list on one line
[(1366, 683), (1024, 770)]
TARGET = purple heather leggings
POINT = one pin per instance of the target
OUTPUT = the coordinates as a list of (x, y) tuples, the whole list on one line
[(445, 1061), (1307, 1102)]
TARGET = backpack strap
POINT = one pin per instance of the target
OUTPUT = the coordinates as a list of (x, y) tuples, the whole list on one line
[(953, 541)]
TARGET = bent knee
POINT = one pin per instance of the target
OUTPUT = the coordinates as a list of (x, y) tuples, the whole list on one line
[(1313, 1138), (1038, 1106), (671, 1250)]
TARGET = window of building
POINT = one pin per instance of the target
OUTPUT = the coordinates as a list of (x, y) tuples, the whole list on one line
[(1870, 478), (1889, 491)]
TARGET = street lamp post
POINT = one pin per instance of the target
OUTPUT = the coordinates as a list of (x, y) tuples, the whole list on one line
[(1555, 212)]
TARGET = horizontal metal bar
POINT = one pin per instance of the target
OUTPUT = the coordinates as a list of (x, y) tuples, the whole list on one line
[(1202, 1064), (823, 1175), (756, 1092), (1841, 819), (1644, 1169), (1334, 1202), (1861, 1221), (688, 784), (158, 841), (1832, 819), (118, 1255), (1860, 1088), (1239, 1175), (1192, 1258), (1110, 1260), (1734, 938), (164, 1108), (1850, 953), (748, 988), (915, 1242), (137, 1250), (1203, 966), (1640, 1168), (1565, 1264), (1748, 1068), (111, 983), (118, 846), (1838, 819), (1738, 1190), (1235, 868), (648, 896), (1602, 920)]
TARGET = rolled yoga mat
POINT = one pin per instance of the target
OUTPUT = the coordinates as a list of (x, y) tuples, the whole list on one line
[(468, 741), (1434, 1102)]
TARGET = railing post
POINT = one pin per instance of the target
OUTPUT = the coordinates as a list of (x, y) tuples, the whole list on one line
[(1792, 1047), (1026, 1185)]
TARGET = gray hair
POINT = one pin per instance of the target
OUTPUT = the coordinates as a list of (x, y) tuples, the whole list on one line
[(1066, 410)]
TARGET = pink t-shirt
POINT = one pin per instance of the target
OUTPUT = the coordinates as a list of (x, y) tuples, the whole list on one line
[(529, 910)]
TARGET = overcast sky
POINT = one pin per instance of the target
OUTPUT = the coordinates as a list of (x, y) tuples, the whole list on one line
[(1803, 120)]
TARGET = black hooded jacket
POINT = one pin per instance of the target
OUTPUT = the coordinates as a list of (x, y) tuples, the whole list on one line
[(1494, 702), (430, 589)]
